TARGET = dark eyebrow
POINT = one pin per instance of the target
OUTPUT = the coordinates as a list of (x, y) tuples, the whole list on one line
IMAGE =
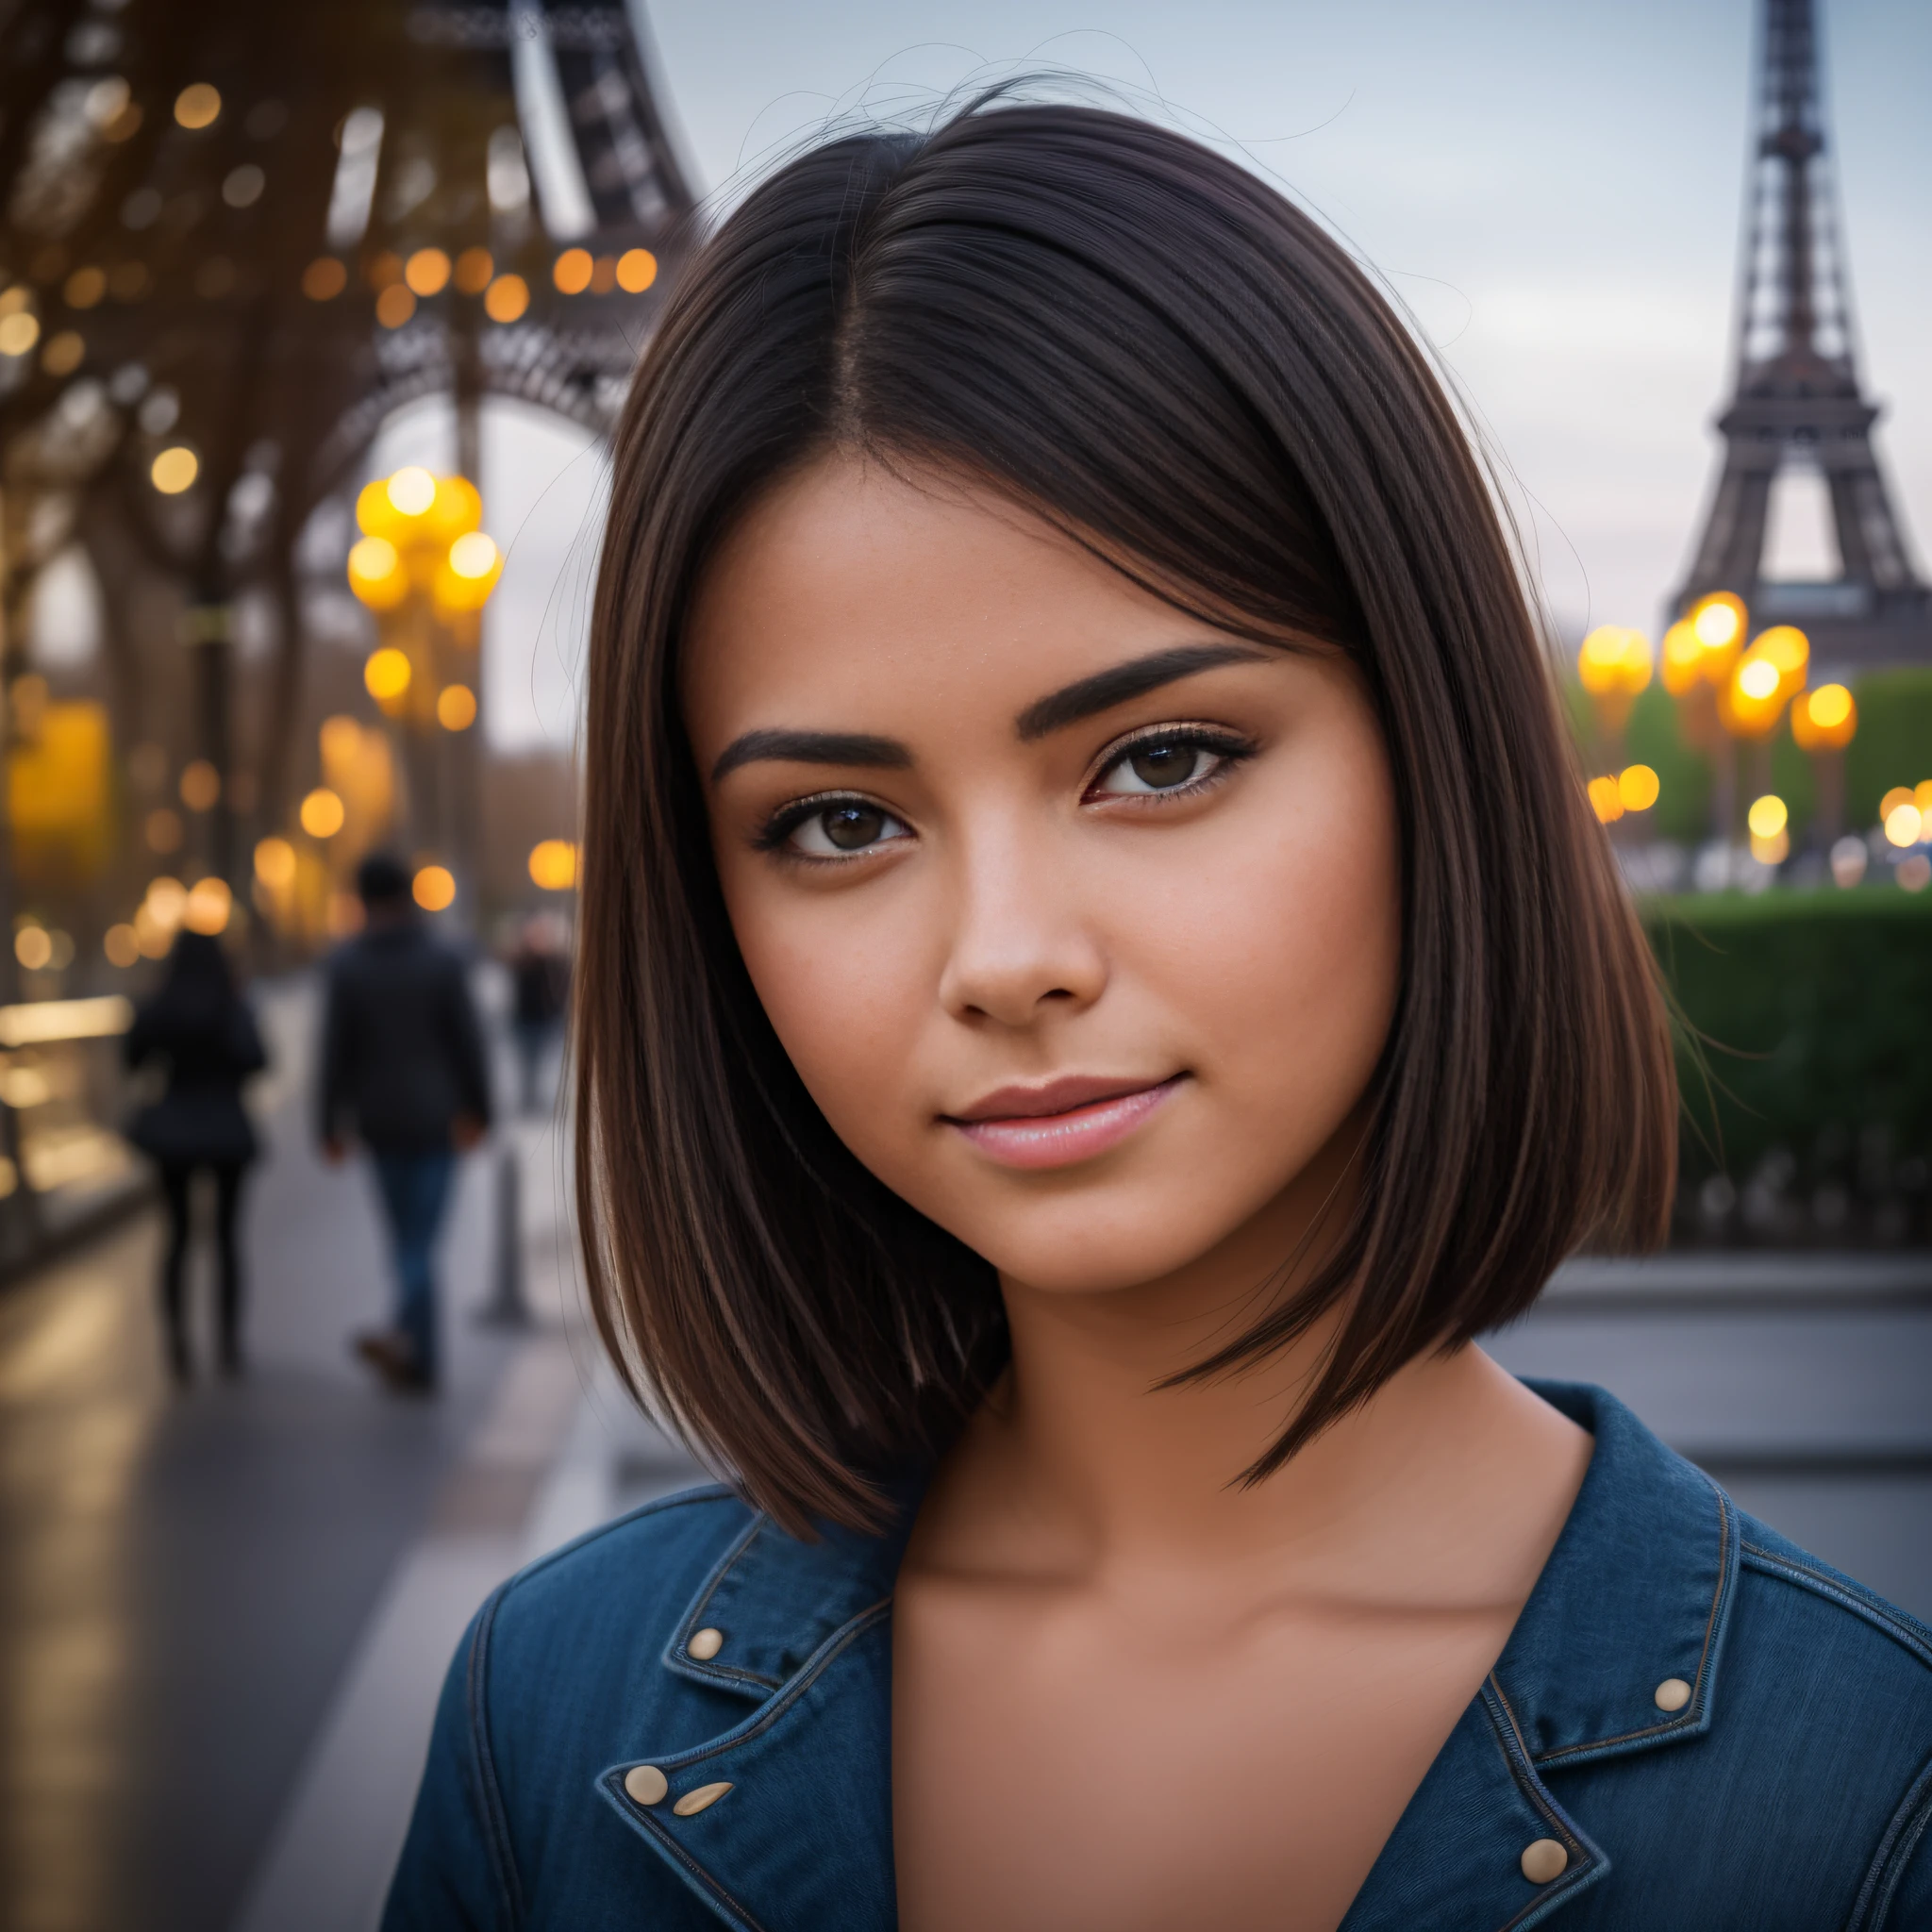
[(1119, 682), (813, 748)]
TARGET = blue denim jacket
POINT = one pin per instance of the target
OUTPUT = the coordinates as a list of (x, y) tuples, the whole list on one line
[(1792, 1791)]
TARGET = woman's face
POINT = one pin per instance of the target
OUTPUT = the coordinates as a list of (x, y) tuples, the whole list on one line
[(1078, 917)]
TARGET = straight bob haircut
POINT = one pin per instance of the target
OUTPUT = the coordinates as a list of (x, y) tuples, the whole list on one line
[(1136, 339)]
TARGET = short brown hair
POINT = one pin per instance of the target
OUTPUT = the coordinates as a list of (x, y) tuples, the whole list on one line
[(1141, 340)]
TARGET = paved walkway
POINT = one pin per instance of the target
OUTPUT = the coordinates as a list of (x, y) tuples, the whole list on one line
[(225, 1613)]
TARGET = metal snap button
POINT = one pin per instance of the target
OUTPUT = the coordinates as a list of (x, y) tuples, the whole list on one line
[(1673, 1694), (1543, 1860), (700, 1800), (705, 1644), (645, 1783)]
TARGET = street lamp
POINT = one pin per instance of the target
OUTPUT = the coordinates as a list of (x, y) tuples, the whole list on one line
[(1824, 723)]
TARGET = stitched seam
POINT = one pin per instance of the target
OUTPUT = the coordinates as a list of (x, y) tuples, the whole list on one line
[(840, 1641), (1895, 1849), (678, 1653), (1695, 1710), (1522, 1768), (1905, 1631), (697, 1870), (497, 1825)]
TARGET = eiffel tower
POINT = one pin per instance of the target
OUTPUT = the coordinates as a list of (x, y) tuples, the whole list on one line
[(1797, 402)]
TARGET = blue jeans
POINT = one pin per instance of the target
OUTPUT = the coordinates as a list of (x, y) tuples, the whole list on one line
[(415, 1194)]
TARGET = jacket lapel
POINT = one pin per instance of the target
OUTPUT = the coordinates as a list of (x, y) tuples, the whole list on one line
[(802, 1839)]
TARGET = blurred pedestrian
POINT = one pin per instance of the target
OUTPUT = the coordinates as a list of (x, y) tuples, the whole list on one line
[(200, 1029), (403, 1071), (539, 981)]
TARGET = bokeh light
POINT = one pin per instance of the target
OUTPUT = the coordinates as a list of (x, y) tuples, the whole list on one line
[(554, 865), (1638, 788), (324, 279), (426, 272), (174, 470), (121, 945), (636, 268), (275, 864), (507, 298), (386, 673), (1768, 816), (201, 786), (394, 305), (411, 490), (197, 106), (571, 273), (321, 814), (456, 708), (210, 905), (473, 269), (33, 947), (434, 888), (1904, 825)]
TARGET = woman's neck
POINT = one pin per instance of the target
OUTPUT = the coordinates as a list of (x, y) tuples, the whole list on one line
[(1083, 1465)]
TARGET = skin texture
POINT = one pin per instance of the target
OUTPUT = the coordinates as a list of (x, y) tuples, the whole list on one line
[(1127, 1692)]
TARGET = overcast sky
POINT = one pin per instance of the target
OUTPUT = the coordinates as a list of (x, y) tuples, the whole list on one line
[(1552, 187)]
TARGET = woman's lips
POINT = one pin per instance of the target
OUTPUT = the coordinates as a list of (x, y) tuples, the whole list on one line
[(1056, 1125)]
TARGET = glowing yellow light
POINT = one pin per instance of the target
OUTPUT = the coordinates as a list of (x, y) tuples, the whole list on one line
[(1606, 800), (209, 903), (120, 944), (411, 490), (1921, 797), (507, 298), (554, 865), (386, 673), (1768, 816), (434, 888), (394, 305), (197, 106), (340, 738), (1898, 795), (1683, 658), (428, 272), (1758, 679), (174, 470), (19, 331), (201, 786), (64, 354), (1905, 824), (321, 814), (84, 288), (376, 574), (167, 899), (275, 864), (1826, 718), (1637, 787), (1718, 622), (324, 279), (33, 947), (1774, 850), (474, 267), (636, 268), (473, 556), (456, 708), (573, 271)]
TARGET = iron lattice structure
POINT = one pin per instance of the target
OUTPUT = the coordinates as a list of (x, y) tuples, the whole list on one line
[(255, 232), (1797, 400)]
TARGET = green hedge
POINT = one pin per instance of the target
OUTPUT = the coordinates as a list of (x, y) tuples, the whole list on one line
[(1808, 1013)]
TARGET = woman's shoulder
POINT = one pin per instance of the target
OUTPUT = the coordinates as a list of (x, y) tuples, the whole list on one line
[(633, 1574)]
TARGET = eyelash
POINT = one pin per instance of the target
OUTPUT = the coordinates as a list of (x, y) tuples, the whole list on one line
[(1231, 750)]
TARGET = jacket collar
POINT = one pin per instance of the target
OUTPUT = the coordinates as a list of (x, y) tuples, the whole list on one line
[(1636, 1594)]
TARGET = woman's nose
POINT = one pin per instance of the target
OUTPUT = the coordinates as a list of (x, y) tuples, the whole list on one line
[(1021, 946)]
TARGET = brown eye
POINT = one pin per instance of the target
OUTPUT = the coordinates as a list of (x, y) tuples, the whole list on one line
[(1161, 764), (844, 826)]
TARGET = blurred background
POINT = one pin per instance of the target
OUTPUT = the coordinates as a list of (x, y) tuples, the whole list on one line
[(313, 324)]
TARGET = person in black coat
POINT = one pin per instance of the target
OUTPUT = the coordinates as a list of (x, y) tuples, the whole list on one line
[(198, 1025), (404, 1071)]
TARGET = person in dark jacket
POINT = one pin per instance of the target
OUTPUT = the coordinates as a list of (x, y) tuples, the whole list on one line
[(404, 1071), (200, 1027)]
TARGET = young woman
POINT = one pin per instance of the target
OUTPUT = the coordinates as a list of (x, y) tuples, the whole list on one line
[(1098, 983)]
